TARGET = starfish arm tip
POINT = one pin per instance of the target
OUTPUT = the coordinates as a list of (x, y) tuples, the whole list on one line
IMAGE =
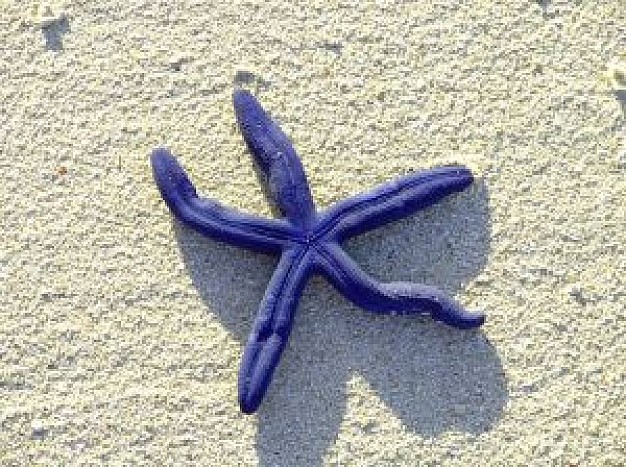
[(466, 177), (259, 362), (452, 314), (171, 178), (247, 405), (250, 391)]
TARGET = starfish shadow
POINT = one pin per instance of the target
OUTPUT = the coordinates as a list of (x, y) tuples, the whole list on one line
[(433, 378)]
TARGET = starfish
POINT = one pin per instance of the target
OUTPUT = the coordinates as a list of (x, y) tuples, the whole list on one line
[(308, 241)]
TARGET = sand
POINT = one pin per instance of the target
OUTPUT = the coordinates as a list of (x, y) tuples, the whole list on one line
[(121, 331)]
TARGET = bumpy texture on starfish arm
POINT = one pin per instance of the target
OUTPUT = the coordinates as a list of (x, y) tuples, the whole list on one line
[(307, 242), (393, 200), (272, 326), (278, 160)]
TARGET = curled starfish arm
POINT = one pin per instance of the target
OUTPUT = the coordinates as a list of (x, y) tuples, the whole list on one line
[(272, 327), (393, 201), (277, 158), (391, 298), (211, 218)]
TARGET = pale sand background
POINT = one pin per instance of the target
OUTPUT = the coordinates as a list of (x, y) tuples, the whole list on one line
[(121, 333)]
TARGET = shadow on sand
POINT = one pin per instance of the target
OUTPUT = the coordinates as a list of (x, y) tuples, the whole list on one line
[(432, 377), (53, 33)]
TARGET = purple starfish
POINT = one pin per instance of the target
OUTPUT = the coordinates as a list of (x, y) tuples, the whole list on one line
[(308, 242)]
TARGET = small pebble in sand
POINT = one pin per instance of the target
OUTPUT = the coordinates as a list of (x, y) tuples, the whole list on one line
[(38, 429), (177, 62), (576, 292)]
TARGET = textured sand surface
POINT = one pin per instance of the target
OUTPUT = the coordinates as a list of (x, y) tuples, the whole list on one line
[(121, 332)]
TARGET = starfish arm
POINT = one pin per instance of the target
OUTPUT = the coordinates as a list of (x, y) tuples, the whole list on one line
[(392, 201), (211, 218), (272, 327), (390, 298), (277, 158)]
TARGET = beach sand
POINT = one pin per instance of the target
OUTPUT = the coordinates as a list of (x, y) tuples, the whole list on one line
[(121, 331)]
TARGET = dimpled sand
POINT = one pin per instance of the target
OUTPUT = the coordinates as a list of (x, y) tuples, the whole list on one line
[(121, 331)]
